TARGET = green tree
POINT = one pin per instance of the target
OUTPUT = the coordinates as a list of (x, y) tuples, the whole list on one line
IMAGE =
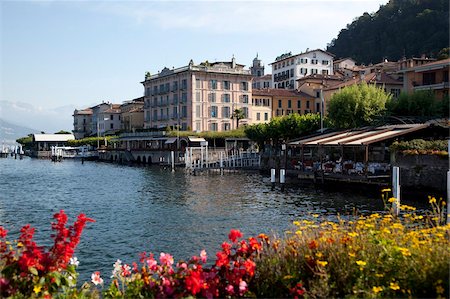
[(419, 103), (63, 132), (357, 105), (238, 114), (257, 133)]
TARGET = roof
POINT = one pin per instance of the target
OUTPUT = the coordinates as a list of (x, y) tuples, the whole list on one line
[(343, 59), (196, 139), (86, 111), (303, 53), (359, 137), (429, 66), (276, 92), (53, 137), (111, 111)]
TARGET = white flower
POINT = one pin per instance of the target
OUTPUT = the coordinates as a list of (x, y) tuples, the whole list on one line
[(117, 271), (96, 279), (74, 261)]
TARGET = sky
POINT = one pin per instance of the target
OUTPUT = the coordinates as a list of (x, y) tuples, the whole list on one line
[(56, 56)]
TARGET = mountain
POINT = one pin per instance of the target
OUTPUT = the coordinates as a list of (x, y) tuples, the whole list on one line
[(10, 132), (399, 28)]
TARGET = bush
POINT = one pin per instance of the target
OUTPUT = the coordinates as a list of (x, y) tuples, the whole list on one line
[(422, 147)]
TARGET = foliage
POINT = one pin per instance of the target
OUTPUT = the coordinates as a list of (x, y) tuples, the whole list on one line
[(399, 28), (29, 270), (238, 114), (239, 133), (369, 256), (283, 128), (420, 146), (25, 141), (92, 141), (419, 103), (63, 132), (357, 105)]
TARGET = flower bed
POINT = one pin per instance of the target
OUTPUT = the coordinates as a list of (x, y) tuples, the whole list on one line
[(368, 256)]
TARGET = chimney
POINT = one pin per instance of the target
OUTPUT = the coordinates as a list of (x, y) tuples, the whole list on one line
[(233, 62)]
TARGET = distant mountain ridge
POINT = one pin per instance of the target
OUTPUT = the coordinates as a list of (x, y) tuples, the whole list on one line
[(10, 132), (399, 28)]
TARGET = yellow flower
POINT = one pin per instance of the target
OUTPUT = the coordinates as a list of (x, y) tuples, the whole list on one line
[(432, 200), (351, 254), (394, 286), (392, 199), (386, 190), (19, 244), (322, 263), (315, 215), (296, 223), (361, 263), (319, 254), (376, 290), (404, 251), (298, 233), (37, 289), (439, 290), (352, 234)]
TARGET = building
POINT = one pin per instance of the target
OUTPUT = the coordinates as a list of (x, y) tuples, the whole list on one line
[(109, 120), (132, 115), (261, 106), (42, 143), (288, 68), (82, 123), (431, 76), (260, 80), (257, 69), (344, 63), (198, 97)]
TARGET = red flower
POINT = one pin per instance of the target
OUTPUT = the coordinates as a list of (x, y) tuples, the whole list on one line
[(226, 247), (234, 235), (254, 244), (194, 282), (313, 244), (222, 259), (250, 267), (3, 232)]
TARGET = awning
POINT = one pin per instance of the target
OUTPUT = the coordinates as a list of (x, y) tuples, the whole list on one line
[(171, 140), (196, 139)]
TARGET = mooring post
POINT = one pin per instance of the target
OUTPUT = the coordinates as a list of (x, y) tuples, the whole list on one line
[(448, 185), (172, 158), (272, 178), (282, 178), (396, 189)]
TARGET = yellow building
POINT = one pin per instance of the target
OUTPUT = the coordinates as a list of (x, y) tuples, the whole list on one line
[(132, 115)]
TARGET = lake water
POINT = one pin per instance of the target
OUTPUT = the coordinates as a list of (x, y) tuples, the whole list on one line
[(154, 210)]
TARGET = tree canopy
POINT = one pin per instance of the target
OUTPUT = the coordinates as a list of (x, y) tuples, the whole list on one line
[(399, 28), (357, 105), (419, 103)]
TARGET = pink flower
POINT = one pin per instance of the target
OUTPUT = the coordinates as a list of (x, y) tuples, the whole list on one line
[(182, 266), (126, 270), (166, 259), (151, 263), (96, 279), (242, 287), (203, 256), (230, 289)]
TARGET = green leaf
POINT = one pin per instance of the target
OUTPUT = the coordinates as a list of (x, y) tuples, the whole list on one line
[(33, 271)]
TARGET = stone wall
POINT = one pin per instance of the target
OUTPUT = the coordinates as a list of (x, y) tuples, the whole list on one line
[(423, 171)]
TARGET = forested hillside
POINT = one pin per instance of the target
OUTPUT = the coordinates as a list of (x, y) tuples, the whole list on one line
[(399, 28)]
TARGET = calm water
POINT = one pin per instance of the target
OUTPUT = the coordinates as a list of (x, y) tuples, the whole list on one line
[(151, 209)]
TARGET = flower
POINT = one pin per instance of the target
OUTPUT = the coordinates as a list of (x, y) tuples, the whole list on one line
[(230, 289), (203, 256), (386, 190), (166, 259), (361, 263), (242, 287), (376, 290), (222, 259), (394, 286), (234, 235), (313, 244), (37, 289), (194, 282), (392, 199), (96, 279), (74, 261), (322, 263)]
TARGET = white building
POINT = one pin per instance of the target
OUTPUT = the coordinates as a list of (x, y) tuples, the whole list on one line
[(288, 68)]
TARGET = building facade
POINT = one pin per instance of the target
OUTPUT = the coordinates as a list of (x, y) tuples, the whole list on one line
[(261, 106), (132, 115), (288, 68), (82, 123), (431, 76), (197, 97)]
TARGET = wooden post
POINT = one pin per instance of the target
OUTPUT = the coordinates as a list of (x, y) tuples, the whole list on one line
[(282, 178), (272, 177), (172, 158)]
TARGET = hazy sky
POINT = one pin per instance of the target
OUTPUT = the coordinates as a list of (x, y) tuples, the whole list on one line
[(61, 55)]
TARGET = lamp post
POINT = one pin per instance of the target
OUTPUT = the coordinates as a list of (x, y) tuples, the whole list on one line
[(321, 110)]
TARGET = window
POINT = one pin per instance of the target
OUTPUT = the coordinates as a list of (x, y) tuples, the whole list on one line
[(155, 102), (155, 90), (184, 127), (184, 97), (279, 104), (445, 77), (175, 86), (213, 84), (314, 71), (258, 116), (324, 72), (292, 73), (429, 78), (167, 87), (226, 126), (226, 98), (325, 62), (155, 115), (303, 60), (266, 116), (318, 94), (303, 71), (307, 104), (244, 86), (213, 126), (197, 83), (245, 111), (289, 103), (226, 112), (175, 99), (245, 98), (314, 55), (395, 92), (299, 104), (214, 111), (275, 67), (266, 84), (112, 117), (184, 111), (212, 97), (314, 61), (184, 84), (175, 112), (198, 111), (197, 126), (318, 107)]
